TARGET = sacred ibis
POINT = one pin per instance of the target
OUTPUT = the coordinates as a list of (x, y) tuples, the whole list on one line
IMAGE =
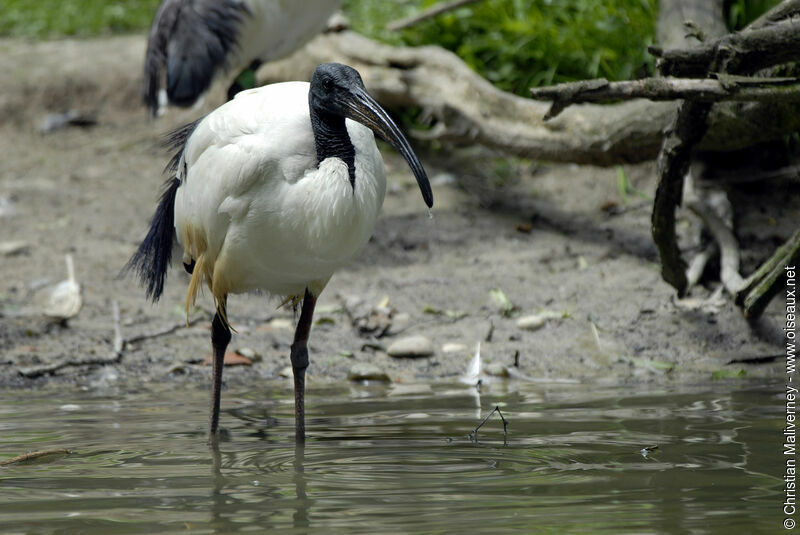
[(273, 191), (192, 42)]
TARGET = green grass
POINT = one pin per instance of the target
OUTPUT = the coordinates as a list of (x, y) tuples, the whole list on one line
[(743, 12), (518, 44), (82, 18)]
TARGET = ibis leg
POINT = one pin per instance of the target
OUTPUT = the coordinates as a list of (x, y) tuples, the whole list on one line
[(220, 336), (299, 357)]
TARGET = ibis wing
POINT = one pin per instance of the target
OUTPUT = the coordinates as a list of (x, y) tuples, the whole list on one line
[(278, 28), (247, 151)]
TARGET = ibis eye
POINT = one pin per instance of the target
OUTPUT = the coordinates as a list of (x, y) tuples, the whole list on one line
[(327, 84)]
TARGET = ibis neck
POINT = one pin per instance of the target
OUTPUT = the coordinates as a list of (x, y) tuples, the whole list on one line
[(332, 140)]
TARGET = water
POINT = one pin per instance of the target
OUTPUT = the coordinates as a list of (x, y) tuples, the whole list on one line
[(382, 462)]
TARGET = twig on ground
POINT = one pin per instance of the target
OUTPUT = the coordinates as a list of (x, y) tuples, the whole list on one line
[(434, 11), (489, 331), (762, 359), (473, 436), (118, 347), (162, 332)]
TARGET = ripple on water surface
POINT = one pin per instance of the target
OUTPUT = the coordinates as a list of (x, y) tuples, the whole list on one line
[(576, 460)]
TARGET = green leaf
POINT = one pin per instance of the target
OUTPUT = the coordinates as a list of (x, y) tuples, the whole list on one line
[(430, 309), (728, 373), (502, 302)]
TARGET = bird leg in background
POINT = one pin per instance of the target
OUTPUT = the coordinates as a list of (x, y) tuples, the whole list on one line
[(220, 336), (299, 358)]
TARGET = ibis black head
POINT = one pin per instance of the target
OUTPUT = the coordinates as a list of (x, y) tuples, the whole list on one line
[(337, 89)]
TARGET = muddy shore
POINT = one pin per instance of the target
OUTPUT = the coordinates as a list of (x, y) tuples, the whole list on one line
[(556, 239)]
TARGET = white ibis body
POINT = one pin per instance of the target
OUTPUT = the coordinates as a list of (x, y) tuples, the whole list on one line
[(274, 191), (192, 42)]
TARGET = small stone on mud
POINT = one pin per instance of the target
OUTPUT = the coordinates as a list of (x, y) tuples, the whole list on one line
[(400, 323), (412, 346), (250, 353), (532, 323), (286, 372), (280, 323), (496, 369), (176, 368), (57, 121), (10, 248), (454, 348), (365, 371)]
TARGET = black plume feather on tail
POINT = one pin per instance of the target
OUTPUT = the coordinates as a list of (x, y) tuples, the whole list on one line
[(151, 261)]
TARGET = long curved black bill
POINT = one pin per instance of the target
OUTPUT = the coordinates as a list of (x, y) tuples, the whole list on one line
[(363, 108)]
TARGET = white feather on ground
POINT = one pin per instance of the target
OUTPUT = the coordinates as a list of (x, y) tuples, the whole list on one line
[(65, 299)]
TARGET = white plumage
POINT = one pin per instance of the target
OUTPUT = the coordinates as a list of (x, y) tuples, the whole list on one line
[(276, 28), (254, 209)]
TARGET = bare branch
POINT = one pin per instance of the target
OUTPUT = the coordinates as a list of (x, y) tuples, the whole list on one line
[(704, 90), (736, 53), (785, 10)]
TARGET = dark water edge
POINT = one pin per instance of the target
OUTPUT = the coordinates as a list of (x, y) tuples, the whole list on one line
[(384, 460)]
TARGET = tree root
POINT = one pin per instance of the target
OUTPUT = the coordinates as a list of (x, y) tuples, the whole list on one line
[(464, 108), (729, 248)]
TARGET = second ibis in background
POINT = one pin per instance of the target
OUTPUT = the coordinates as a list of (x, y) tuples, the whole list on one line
[(192, 42)]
